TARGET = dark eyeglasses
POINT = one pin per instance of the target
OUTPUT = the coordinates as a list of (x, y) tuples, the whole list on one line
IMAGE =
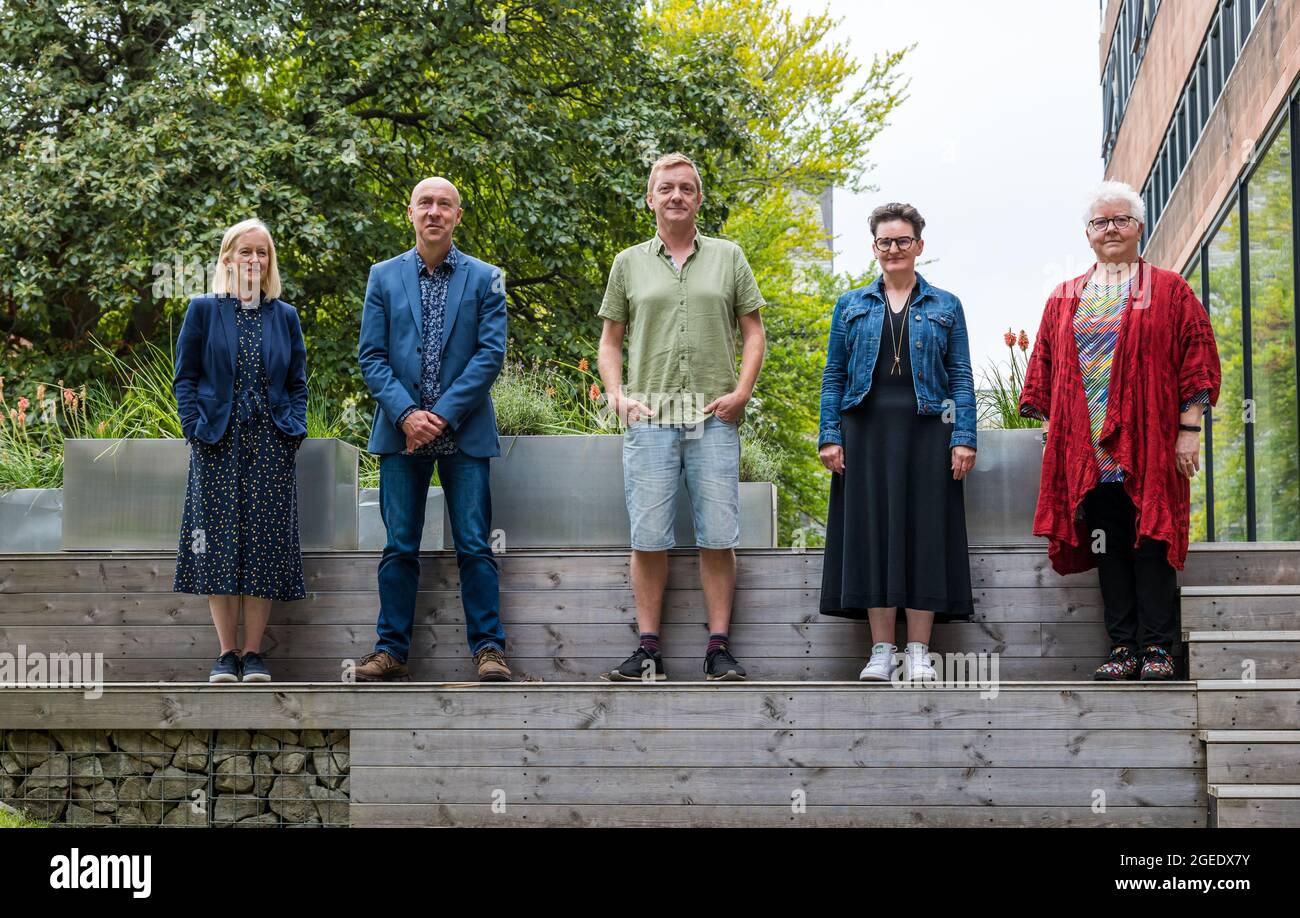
[(903, 242), (1121, 222)]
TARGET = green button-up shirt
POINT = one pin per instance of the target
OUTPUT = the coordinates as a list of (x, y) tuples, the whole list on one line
[(681, 326)]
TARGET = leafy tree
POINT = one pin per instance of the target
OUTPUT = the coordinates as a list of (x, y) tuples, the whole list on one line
[(137, 131)]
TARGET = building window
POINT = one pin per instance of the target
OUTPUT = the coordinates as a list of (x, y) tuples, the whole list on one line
[(1199, 531), (1229, 455), (1229, 38), (1127, 48), (1273, 344), (1232, 24)]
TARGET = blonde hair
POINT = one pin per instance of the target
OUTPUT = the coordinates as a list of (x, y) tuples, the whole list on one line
[(672, 159), (223, 284)]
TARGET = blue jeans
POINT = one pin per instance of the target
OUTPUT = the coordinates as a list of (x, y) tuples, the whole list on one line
[(403, 489)]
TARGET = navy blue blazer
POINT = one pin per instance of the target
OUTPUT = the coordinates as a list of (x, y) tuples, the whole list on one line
[(206, 351), (473, 350)]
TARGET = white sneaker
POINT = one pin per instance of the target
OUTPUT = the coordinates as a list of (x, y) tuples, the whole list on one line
[(880, 665), (916, 664)]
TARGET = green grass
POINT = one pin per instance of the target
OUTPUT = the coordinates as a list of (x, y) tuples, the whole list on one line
[(9, 821)]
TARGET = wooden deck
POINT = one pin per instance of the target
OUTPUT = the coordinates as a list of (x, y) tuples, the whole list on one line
[(570, 615), (803, 744), (744, 754)]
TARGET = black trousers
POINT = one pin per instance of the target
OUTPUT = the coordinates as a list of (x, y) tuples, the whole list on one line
[(1138, 586)]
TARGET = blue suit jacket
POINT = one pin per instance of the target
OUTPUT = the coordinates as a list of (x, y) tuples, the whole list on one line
[(473, 350), (206, 351)]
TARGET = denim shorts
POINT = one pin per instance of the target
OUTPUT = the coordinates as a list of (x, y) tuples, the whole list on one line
[(654, 457)]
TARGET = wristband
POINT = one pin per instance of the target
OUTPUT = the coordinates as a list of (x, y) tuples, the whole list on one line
[(1191, 428)]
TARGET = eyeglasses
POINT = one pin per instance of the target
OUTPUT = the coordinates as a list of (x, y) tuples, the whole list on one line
[(903, 242), (1121, 222)]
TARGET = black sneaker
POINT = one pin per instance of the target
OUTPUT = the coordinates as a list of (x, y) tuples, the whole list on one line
[(254, 670), (227, 668), (636, 668), (720, 665)]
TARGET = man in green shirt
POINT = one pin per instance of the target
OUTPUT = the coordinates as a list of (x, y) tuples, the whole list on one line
[(679, 298)]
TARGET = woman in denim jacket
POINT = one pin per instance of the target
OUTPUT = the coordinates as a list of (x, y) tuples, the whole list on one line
[(898, 434)]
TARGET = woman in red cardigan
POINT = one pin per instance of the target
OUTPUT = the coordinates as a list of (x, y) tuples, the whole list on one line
[(1124, 368)]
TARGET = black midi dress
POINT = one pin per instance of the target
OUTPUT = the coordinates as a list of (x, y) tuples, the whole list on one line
[(239, 532), (896, 525)]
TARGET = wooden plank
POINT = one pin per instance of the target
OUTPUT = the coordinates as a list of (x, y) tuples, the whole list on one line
[(1249, 736), (1071, 639), (1236, 814), (745, 787), (781, 748), (635, 815), (1263, 659), (332, 571), (1235, 618), (1079, 604), (680, 669), (579, 569), (816, 639), (353, 607), (1255, 791), (1253, 763), (1267, 607), (1248, 706), (763, 706), (1254, 636), (1207, 564)]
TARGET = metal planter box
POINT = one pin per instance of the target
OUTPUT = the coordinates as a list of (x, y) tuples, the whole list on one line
[(1002, 489), (130, 494), (371, 534), (31, 519), (557, 491)]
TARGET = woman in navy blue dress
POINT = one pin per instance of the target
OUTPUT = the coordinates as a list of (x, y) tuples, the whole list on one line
[(241, 391)]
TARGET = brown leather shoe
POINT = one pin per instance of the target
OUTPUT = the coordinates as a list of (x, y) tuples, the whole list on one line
[(491, 665), (381, 666)]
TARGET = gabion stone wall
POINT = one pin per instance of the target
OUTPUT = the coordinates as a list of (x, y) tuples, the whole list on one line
[(287, 778)]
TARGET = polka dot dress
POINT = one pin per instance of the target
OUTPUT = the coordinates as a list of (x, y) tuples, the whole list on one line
[(239, 533)]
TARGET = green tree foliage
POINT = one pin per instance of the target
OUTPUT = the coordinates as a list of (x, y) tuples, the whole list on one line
[(137, 131)]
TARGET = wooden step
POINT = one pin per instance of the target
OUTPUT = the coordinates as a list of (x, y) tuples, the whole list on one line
[(748, 754), (569, 615), (681, 668), (1252, 756), (1243, 654), (1255, 806), (1269, 704), (1266, 607), (695, 815)]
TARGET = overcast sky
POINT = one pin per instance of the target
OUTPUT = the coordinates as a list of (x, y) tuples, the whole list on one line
[(997, 145)]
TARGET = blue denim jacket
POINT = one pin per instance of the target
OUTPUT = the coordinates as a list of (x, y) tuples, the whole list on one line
[(941, 370)]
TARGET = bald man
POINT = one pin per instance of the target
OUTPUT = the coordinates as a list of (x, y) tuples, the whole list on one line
[(433, 338)]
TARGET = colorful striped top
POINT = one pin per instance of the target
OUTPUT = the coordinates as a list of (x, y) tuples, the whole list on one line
[(1096, 330)]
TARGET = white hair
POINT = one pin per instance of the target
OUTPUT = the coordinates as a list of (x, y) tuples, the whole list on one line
[(1113, 192)]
